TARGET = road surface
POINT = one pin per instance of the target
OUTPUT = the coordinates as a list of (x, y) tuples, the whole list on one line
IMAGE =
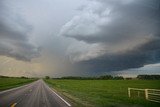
[(36, 94)]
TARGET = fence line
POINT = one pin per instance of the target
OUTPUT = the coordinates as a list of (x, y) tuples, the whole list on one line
[(149, 94)]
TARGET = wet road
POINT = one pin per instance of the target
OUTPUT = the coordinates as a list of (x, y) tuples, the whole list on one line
[(36, 94)]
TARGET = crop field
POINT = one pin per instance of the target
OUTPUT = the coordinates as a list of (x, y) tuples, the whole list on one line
[(103, 93), (7, 83)]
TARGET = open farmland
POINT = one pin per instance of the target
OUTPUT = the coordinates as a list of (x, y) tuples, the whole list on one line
[(103, 93), (7, 83)]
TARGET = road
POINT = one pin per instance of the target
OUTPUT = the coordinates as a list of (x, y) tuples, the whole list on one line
[(36, 94)]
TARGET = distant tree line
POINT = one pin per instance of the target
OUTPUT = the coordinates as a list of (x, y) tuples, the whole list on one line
[(22, 77), (110, 77), (105, 77), (1, 76), (148, 77)]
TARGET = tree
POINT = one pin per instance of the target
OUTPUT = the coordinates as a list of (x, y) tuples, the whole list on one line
[(47, 77), (106, 77), (118, 78), (24, 77)]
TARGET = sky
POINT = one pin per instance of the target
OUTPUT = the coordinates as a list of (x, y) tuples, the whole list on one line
[(79, 37)]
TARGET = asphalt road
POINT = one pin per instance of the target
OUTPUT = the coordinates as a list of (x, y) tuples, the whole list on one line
[(36, 94)]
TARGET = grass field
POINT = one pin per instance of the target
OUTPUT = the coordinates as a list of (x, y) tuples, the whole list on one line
[(7, 83), (103, 93)]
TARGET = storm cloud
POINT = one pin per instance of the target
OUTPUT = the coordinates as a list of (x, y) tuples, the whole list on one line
[(14, 35), (120, 34), (80, 37)]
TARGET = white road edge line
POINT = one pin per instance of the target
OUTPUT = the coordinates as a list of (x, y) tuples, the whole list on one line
[(60, 97)]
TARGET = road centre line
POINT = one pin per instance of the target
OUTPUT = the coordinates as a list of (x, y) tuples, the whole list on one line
[(14, 104)]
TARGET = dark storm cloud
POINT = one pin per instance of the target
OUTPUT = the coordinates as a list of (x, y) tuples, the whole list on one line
[(112, 24), (14, 39), (125, 20), (148, 53)]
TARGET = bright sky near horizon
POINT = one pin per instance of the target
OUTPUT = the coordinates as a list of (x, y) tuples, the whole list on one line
[(79, 37)]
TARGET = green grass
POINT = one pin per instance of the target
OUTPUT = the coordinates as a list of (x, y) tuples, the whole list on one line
[(103, 93), (7, 83)]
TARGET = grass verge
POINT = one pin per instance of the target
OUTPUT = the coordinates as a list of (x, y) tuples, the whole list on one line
[(8, 83), (103, 93)]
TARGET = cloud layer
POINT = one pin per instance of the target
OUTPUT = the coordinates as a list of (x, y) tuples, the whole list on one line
[(14, 36), (96, 37), (120, 34)]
